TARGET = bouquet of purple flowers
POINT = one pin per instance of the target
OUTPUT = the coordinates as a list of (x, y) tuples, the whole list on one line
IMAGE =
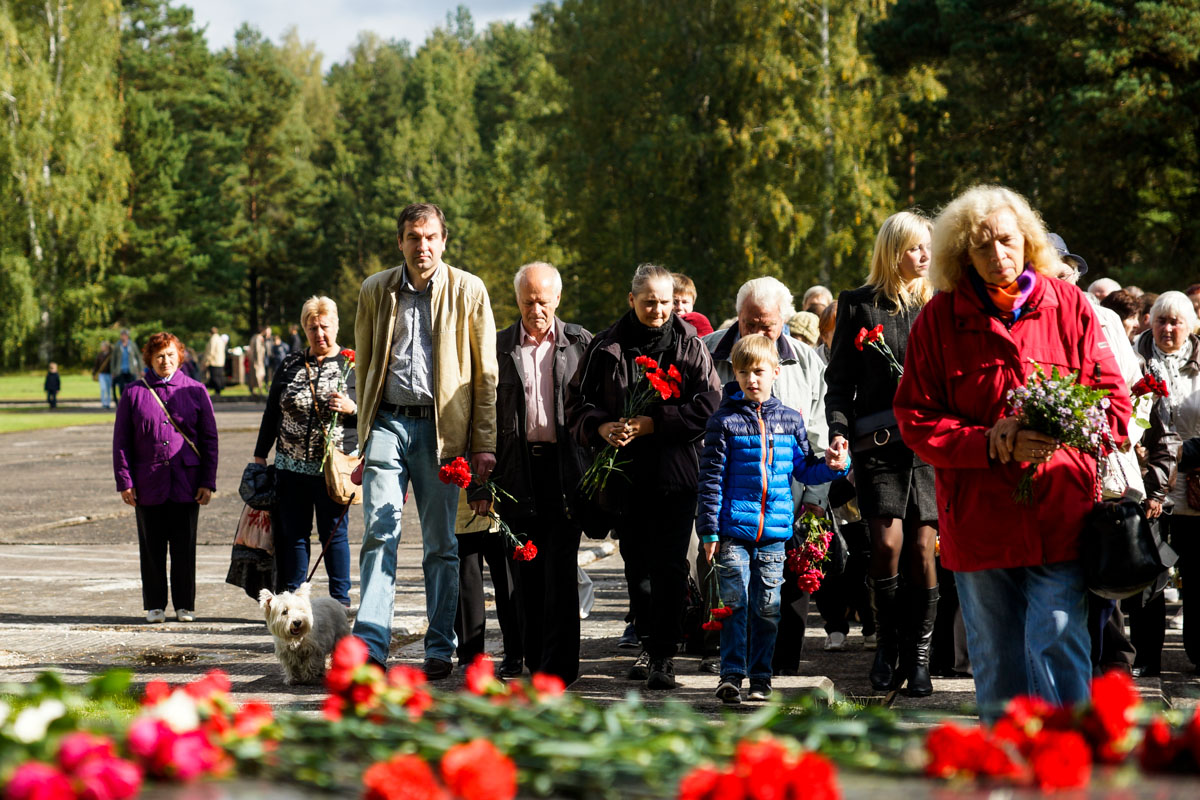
[(1060, 407)]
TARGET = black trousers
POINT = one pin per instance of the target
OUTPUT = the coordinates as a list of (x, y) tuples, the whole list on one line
[(842, 596), (654, 544), (162, 529), (547, 587), (470, 622), (1184, 534), (216, 379)]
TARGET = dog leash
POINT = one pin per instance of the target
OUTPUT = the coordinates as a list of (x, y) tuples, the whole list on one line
[(341, 519)]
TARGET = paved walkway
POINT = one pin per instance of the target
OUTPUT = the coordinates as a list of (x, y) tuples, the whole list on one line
[(70, 593)]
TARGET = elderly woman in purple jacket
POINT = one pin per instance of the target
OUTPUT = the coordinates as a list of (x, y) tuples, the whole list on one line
[(165, 463)]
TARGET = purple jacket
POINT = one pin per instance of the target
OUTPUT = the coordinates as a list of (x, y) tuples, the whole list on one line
[(150, 455)]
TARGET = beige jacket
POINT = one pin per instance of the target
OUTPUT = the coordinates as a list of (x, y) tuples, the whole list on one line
[(464, 358), (214, 355)]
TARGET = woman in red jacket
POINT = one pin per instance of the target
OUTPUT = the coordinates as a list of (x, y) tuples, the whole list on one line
[(999, 310)]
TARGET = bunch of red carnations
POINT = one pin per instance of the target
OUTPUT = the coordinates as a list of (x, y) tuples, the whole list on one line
[(761, 769), (1150, 384), (718, 612), (359, 689), (481, 680), (804, 558), (873, 338), (660, 384), (474, 770), (1054, 747), (458, 472)]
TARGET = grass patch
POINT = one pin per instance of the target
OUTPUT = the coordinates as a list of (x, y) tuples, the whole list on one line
[(117, 707), (28, 386), (17, 420)]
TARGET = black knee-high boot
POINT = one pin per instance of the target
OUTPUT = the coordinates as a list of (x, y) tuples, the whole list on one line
[(917, 640), (883, 601)]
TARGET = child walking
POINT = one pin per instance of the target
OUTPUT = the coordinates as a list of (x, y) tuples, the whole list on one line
[(753, 447), (52, 385)]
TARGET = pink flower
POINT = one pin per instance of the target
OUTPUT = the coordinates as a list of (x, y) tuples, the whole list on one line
[(79, 747), (108, 779), (36, 781), (191, 755), (145, 737)]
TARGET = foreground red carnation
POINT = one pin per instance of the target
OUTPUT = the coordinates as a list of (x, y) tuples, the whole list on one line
[(404, 777), (548, 685), (1061, 760), (761, 770), (36, 781), (481, 675), (477, 770)]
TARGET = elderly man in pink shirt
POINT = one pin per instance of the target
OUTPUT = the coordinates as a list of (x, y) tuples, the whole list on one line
[(539, 464)]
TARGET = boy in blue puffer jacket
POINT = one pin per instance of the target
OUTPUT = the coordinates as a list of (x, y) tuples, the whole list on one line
[(753, 447)]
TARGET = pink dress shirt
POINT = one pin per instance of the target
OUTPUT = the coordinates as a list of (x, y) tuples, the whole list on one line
[(537, 362)]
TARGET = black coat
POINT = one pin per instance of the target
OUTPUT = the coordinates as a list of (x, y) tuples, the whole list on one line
[(669, 459), (512, 458), (891, 480)]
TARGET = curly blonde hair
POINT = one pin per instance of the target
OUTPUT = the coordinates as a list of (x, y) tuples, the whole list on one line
[(899, 232), (958, 225)]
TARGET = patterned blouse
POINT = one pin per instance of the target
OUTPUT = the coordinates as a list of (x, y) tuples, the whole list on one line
[(294, 425)]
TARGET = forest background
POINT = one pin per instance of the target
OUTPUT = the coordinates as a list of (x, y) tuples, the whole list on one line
[(148, 182)]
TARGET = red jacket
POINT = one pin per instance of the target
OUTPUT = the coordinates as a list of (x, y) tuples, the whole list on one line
[(958, 369)]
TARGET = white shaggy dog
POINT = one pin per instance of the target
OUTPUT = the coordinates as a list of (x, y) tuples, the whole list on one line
[(305, 631)]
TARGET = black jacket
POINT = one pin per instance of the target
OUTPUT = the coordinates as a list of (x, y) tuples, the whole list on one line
[(859, 381), (512, 458), (669, 459)]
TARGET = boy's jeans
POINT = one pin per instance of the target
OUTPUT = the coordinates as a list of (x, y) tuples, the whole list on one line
[(750, 577)]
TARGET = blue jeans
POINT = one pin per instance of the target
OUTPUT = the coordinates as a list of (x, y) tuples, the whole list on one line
[(1027, 634), (298, 497), (750, 577), (400, 450), (105, 390)]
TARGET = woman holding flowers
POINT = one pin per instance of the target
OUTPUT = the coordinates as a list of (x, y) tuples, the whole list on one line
[(1000, 316), (894, 485), (310, 408), (1171, 354), (652, 487)]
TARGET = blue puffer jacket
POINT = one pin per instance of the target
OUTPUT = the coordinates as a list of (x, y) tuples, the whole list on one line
[(751, 454)]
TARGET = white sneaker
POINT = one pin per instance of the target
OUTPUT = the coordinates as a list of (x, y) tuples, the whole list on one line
[(870, 642), (1175, 623), (185, 615), (156, 615), (1171, 594), (835, 641)]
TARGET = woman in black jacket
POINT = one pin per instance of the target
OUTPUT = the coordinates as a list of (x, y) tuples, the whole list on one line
[(654, 496), (895, 487), (300, 407)]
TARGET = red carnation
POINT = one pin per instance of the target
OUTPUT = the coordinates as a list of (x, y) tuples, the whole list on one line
[(673, 373), (722, 612), (1061, 760), (348, 354), (548, 685), (647, 362), (861, 338), (479, 771), (404, 777), (457, 472), (481, 675), (712, 625)]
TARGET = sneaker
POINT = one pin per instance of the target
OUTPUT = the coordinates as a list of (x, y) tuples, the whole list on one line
[(1176, 622), (1171, 595), (835, 642), (759, 690), (640, 670), (156, 615), (729, 691), (869, 641), (629, 639), (662, 674), (185, 615), (710, 665)]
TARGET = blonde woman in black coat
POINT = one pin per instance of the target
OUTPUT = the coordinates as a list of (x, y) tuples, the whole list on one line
[(895, 487)]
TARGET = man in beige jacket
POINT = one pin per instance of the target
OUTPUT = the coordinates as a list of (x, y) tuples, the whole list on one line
[(427, 373)]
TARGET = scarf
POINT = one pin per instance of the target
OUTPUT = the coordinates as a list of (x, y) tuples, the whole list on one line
[(1172, 366), (1005, 302)]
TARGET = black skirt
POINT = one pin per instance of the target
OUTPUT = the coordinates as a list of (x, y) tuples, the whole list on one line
[(891, 481)]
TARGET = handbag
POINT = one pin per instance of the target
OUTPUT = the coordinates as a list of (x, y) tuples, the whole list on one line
[(338, 468), (257, 488), (875, 430), (1193, 490), (255, 529), (1122, 550)]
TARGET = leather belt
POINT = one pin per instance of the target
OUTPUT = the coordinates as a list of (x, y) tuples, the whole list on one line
[(416, 412), (541, 449)]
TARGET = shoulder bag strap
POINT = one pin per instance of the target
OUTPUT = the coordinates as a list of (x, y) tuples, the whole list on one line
[(170, 419)]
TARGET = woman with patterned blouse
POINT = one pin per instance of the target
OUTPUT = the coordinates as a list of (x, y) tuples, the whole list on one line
[(295, 423)]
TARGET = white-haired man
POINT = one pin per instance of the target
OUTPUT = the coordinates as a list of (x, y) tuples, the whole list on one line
[(763, 306), (816, 299)]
